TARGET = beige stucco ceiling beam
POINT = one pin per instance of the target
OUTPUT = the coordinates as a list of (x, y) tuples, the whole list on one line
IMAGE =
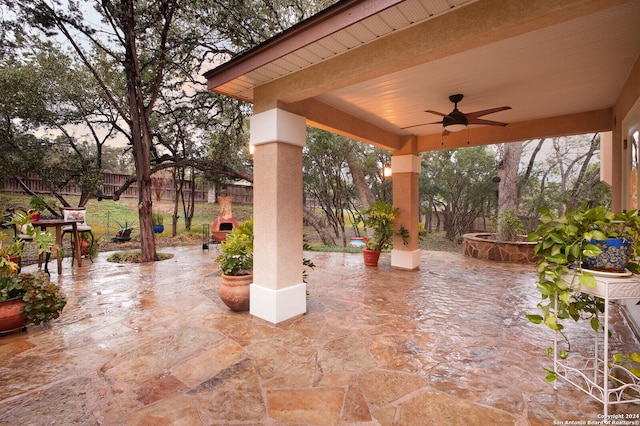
[(326, 117), (468, 27), (573, 124)]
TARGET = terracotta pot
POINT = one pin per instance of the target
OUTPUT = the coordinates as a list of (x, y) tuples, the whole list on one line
[(10, 318), (371, 257), (234, 291), (85, 246)]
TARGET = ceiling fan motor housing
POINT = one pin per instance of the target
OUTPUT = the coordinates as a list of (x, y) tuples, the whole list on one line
[(455, 117)]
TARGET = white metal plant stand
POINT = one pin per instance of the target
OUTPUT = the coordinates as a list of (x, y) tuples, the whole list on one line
[(590, 374)]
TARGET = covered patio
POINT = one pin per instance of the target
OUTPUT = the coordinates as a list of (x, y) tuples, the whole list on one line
[(372, 71), (143, 344)]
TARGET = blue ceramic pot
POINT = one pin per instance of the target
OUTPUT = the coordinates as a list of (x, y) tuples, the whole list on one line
[(158, 229), (616, 253), (357, 242)]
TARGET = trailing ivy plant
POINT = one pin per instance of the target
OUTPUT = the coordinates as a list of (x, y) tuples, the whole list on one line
[(563, 243)]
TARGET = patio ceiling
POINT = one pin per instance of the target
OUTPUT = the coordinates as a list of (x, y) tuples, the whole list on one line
[(367, 69)]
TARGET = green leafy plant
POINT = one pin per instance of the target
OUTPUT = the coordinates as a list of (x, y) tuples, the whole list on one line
[(624, 372), (508, 226), (237, 250), (44, 241), (134, 256), (380, 218), (563, 244), (307, 263), (44, 300), (157, 218), (629, 361), (404, 234), (38, 204), (124, 227)]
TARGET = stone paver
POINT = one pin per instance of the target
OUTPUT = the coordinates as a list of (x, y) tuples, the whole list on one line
[(152, 344)]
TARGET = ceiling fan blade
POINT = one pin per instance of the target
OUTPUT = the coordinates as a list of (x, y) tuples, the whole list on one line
[(487, 122), (436, 113), (477, 114), (418, 125)]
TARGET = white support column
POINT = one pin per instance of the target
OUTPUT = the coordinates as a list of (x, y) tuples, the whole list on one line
[(277, 292), (405, 171)]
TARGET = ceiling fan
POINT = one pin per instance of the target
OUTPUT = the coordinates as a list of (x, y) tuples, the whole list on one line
[(457, 120)]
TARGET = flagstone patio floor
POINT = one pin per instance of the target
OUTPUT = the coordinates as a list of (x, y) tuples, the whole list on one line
[(152, 344)]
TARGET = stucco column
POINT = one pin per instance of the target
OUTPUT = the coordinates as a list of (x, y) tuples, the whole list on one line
[(405, 171), (277, 292)]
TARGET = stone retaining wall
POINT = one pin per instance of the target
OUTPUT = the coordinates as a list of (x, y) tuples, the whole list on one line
[(484, 246)]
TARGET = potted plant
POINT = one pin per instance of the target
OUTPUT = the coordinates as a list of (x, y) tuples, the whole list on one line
[(25, 298), (565, 245), (157, 218), (124, 231), (236, 264), (379, 218), (38, 205)]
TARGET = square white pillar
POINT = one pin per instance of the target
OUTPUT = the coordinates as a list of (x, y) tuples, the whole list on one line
[(405, 174), (278, 292)]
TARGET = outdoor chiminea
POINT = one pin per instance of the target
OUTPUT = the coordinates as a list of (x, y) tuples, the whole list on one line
[(225, 222)]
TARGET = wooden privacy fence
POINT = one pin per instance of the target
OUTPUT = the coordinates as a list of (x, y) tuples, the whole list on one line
[(163, 188)]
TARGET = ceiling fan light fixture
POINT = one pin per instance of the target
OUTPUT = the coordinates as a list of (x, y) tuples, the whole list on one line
[(455, 127), (455, 121)]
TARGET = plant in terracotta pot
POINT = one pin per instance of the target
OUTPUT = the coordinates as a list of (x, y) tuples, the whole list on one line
[(565, 245), (25, 298), (38, 205), (379, 218), (236, 264), (44, 241)]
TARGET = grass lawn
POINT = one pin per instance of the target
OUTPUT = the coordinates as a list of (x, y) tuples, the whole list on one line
[(104, 216)]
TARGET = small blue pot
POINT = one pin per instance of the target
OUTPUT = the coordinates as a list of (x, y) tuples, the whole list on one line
[(616, 253), (158, 229), (357, 242)]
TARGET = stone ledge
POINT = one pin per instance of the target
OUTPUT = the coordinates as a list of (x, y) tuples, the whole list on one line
[(484, 246)]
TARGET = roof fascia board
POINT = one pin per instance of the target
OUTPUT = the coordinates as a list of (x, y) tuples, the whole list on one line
[(318, 26), (566, 125)]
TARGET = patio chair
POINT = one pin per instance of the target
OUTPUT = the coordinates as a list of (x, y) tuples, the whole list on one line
[(79, 215)]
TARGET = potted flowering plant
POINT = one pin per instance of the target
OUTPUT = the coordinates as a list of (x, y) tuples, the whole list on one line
[(379, 218), (236, 264)]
